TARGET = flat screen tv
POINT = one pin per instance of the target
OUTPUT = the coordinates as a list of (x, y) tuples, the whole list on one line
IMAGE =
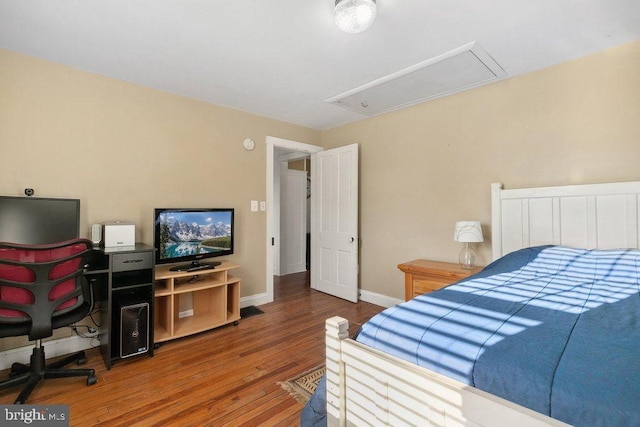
[(186, 237), (38, 220)]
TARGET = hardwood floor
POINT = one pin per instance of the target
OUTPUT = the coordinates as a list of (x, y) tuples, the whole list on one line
[(224, 377)]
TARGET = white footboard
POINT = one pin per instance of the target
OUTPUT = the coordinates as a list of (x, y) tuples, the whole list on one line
[(369, 387)]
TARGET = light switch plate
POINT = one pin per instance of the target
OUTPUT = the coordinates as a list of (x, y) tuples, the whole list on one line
[(254, 206)]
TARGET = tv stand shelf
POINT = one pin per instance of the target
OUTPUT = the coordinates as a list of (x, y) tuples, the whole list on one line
[(215, 296)]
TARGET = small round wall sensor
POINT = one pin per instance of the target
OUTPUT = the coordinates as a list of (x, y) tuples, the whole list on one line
[(249, 144)]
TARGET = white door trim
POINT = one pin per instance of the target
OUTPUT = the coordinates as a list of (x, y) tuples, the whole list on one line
[(272, 168)]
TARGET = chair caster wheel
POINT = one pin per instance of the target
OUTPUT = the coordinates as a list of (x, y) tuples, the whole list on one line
[(91, 380), (18, 369)]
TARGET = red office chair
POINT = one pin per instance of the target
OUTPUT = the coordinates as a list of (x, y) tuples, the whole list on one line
[(42, 288)]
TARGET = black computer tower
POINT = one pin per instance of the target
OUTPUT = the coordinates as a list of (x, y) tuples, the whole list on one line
[(134, 329)]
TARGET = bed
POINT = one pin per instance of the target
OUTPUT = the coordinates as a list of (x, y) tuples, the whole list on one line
[(547, 334)]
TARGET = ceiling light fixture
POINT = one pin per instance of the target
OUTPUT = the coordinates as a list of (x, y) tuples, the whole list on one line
[(354, 16)]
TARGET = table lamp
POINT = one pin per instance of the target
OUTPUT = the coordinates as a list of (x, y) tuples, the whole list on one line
[(468, 232)]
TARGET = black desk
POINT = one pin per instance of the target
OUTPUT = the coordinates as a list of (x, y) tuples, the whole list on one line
[(123, 283)]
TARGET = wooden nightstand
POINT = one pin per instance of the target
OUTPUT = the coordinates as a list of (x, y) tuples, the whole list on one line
[(421, 276)]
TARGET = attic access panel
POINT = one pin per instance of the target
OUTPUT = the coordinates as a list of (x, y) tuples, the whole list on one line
[(462, 68)]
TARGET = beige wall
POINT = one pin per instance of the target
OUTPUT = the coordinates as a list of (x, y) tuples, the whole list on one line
[(124, 149), (425, 167)]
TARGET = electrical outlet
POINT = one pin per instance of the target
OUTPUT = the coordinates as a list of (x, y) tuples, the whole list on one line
[(263, 206)]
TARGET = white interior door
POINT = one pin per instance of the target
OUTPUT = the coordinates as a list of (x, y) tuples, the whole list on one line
[(293, 221), (334, 222)]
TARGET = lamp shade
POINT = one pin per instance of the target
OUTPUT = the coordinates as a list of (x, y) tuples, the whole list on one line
[(354, 16), (468, 232)]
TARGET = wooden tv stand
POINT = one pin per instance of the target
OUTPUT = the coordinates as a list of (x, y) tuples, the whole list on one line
[(215, 294)]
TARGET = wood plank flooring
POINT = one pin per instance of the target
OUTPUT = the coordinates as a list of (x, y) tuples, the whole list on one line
[(224, 377)]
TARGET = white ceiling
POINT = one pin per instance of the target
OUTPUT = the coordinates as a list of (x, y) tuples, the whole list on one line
[(283, 58)]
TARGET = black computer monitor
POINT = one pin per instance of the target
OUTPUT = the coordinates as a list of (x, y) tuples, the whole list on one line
[(38, 220)]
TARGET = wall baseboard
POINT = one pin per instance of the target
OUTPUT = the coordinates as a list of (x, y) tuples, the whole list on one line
[(379, 299), (53, 348), (258, 299)]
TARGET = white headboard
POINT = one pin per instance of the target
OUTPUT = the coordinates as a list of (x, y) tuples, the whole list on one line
[(601, 216)]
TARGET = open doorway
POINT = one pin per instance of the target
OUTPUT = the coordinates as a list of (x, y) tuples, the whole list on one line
[(281, 153), (334, 215)]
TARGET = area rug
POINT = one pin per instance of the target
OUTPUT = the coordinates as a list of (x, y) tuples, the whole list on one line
[(302, 386), (249, 311)]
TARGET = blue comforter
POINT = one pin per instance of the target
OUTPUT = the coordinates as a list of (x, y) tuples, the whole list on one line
[(551, 328)]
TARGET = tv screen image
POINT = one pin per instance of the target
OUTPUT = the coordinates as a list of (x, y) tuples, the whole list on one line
[(192, 235)]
